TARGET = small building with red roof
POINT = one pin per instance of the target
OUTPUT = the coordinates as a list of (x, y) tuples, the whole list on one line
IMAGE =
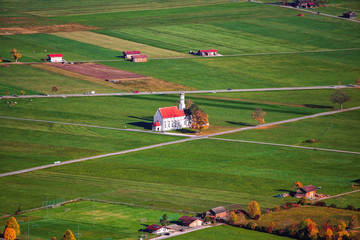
[(139, 58), (207, 52), (56, 57), (129, 54), (157, 229), (172, 118)]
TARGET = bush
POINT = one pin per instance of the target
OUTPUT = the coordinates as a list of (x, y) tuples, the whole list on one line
[(351, 207), (320, 204), (257, 217), (303, 201), (333, 205), (251, 225), (277, 208)]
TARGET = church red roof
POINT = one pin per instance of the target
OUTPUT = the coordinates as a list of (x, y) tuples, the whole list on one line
[(171, 112)]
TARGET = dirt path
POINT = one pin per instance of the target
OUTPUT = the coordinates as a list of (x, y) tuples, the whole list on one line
[(338, 195)]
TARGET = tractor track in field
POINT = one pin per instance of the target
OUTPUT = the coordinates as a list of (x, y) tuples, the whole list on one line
[(190, 138)]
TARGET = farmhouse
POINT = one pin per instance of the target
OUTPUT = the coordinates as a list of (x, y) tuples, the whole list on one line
[(157, 229), (350, 15), (139, 58), (304, 3), (190, 221), (308, 191), (218, 212), (208, 52), (55, 57), (129, 54), (172, 118)]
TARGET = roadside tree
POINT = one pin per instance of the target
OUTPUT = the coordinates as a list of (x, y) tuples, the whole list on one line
[(15, 54), (12, 223), (254, 209), (68, 235), (259, 115), (340, 97), (165, 220), (200, 121), (9, 233)]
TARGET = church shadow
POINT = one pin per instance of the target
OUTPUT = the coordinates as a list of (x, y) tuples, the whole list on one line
[(185, 130), (145, 125)]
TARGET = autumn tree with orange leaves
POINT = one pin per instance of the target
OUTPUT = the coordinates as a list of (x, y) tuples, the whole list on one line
[(308, 229), (15, 54), (297, 185), (9, 233), (12, 223), (259, 115), (68, 235), (200, 121)]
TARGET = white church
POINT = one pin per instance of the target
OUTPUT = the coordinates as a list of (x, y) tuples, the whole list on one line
[(172, 118)]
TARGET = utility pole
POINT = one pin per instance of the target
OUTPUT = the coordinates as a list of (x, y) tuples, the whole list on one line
[(47, 207), (93, 216), (78, 232)]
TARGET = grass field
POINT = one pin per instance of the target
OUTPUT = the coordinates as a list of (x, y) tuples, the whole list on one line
[(228, 233), (29, 144), (93, 220), (185, 177), (333, 132), (118, 44)]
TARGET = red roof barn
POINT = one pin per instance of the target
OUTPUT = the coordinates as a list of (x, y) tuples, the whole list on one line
[(55, 57), (207, 52), (129, 54), (139, 58)]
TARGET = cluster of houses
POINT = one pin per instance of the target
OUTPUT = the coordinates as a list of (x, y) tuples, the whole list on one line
[(172, 118), (135, 56), (218, 213)]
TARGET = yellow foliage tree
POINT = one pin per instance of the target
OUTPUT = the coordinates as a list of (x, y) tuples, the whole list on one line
[(12, 223), (342, 235), (15, 54), (329, 234), (254, 209), (297, 185), (233, 218), (259, 115), (68, 235), (341, 226), (200, 121), (9, 233)]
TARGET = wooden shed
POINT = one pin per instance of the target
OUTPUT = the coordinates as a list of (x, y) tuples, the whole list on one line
[(129, 54), (190, 221), (139, 58), (308, 191), (350, 15), (55, 57)]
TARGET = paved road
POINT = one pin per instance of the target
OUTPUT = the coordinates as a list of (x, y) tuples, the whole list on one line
[(169, 143), (178, 92), (285, 145), (95, 157), (284, 121)]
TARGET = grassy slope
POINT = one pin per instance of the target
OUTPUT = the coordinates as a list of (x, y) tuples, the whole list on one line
[(185, 177), (334, 132), (227, 233), (95, 220)]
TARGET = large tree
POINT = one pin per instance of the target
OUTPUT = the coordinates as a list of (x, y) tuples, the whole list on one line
[(68, 235), (200, 121), (259, 115), (165, 220), (12, 223), (254, 209), (340, 97), (15, 54)]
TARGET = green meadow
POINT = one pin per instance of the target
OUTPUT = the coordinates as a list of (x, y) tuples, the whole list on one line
[(90, 220), (185, 177), (332, 132)]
